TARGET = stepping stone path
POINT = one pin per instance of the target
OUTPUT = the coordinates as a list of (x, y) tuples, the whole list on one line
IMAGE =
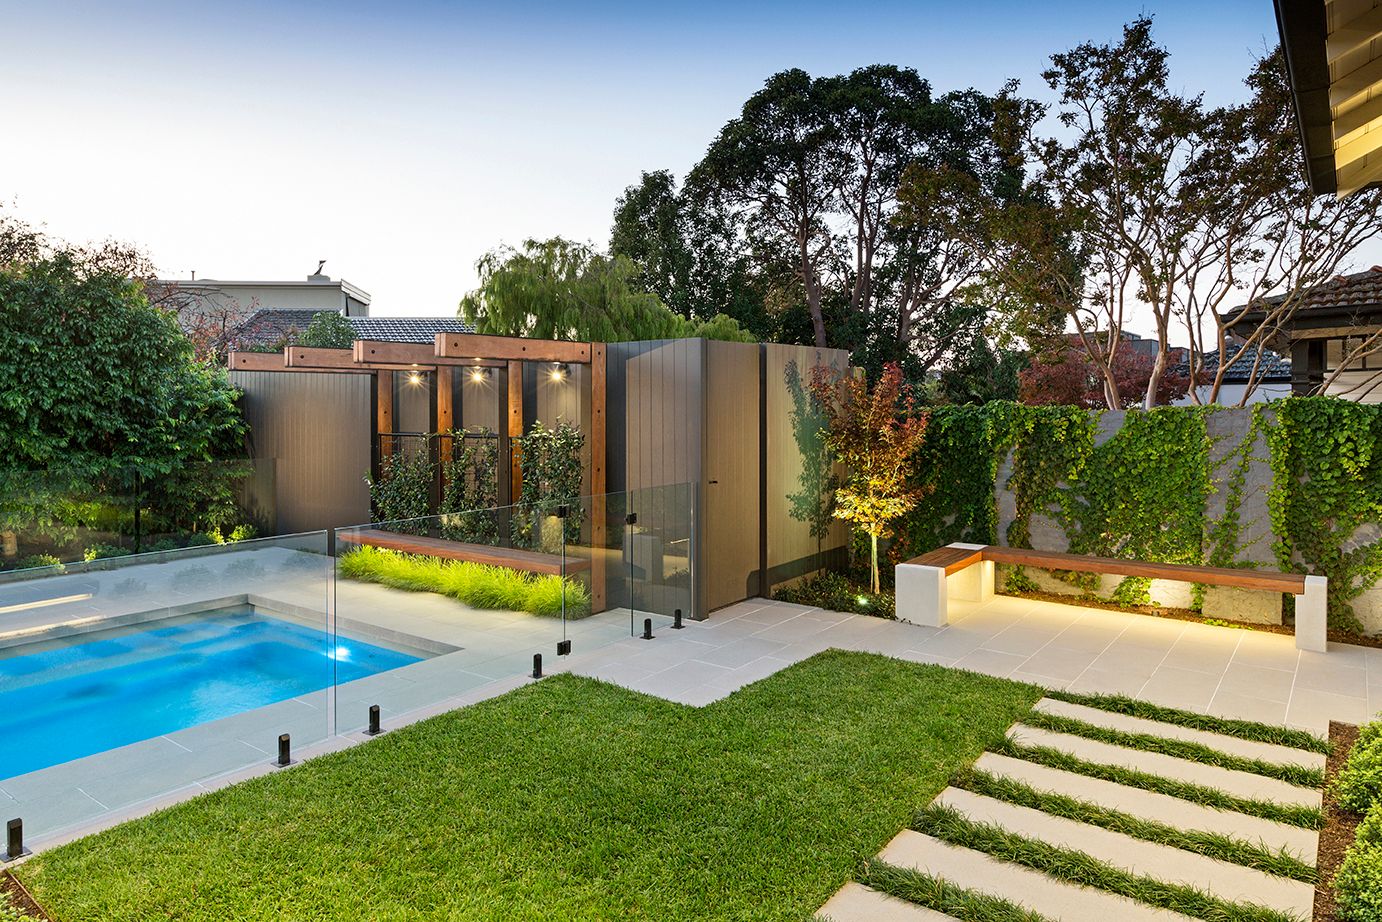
[(1061, 901)]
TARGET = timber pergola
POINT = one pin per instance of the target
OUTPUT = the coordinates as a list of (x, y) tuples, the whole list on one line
[(448, 352)]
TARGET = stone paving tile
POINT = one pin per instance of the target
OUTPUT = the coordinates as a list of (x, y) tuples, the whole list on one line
[(1180, 688), (1059, 662), (1021, 639), (1259, 681), (1313, 710), (991, 662), (1097, 680), (1247, 707)]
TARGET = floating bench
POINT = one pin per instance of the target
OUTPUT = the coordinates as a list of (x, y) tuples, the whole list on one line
[(925, 584), (512, 558)]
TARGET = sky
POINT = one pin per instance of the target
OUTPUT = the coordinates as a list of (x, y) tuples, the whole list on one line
[(400, 141)]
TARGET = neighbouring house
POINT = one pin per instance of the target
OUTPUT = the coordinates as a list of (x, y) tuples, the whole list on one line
[(1334, 337), (1334, 55), (1252, 375), (273, 327)]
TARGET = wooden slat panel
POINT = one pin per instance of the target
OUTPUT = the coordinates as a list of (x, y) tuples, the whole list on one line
[(953, 559), (510, 558), (473, 345), (1218, 576)]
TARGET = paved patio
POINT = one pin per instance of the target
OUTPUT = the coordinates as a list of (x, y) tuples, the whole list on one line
[(1228, 672)]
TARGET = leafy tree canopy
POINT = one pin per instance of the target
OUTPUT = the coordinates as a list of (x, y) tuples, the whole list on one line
[(328, 330), (557, 289), (107, 383)]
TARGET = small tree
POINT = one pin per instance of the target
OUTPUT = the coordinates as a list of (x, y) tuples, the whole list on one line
[(328, 330), (814, 501), (874, 432)]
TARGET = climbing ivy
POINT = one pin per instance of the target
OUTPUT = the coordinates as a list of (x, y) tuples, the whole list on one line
[(955, 469), (1326, 496), (1144, 492), (472, 487), (1052, 446), (403, 489), (550, 459)]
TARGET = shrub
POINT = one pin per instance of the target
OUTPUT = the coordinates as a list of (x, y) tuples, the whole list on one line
[(242, 533), (41, 560), (1359, 786), (165, 544), (837, 593), (477, 585), (1358, 883), (103, 551)]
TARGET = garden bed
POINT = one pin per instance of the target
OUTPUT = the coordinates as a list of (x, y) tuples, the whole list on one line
[(566, 799), (1340, 825)]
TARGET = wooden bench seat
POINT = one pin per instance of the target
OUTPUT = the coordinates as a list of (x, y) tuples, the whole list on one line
[(511, 558), (925, 583)]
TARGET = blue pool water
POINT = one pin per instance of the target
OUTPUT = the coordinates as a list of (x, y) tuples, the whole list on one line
[(93, 692)]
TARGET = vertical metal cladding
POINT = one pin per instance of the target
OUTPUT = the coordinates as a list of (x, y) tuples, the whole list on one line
[(317, 430)]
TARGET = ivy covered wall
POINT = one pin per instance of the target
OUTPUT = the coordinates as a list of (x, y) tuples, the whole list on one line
[(1295, 485)]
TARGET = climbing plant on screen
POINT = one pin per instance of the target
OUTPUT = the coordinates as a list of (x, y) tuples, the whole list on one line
[(1156, 486), (874, 432)]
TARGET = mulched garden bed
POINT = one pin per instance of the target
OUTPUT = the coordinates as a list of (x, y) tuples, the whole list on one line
[(1339, 825), (20, 898), (1185, 614)]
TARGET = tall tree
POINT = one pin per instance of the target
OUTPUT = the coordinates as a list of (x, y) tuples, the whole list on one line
[(688, 253), (556, 289), (779, 164)]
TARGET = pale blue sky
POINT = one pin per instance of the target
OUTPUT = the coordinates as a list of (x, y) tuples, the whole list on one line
[(400, 141)]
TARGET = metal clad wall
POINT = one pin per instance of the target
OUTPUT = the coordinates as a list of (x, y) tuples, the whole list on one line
[(730, 488), (658, 383), (792, 552), (317, 429)]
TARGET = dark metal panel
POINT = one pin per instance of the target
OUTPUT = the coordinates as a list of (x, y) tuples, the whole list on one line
[(791, 550), (317, 430)]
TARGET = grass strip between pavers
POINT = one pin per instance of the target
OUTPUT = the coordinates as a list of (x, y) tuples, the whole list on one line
[(1076, 867), (1291, 814), (1243, 729), (1201, 842), (942, 896), (1302, 776)]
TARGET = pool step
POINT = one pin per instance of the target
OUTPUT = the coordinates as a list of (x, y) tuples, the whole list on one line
[(1236, 783), (1231, 745), (1158, 808), (1220, 879)]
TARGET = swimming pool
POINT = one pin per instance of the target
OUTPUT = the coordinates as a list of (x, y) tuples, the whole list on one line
[(84, 694)]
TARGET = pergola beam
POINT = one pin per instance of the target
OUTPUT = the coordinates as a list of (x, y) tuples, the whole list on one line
[(420, 355), (509, 348)]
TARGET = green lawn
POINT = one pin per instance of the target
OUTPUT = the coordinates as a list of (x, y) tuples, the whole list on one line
[(565, 799)]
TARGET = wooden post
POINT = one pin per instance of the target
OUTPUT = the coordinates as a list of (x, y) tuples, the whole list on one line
[(515, 385), (383, 416), (446, 421), (598, 478)]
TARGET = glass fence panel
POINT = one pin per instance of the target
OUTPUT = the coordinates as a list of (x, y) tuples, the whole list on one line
[(469, 596), (125, 679)]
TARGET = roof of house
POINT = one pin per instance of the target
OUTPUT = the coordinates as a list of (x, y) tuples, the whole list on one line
[(268, 326), (1273, 366), (407, 329), (1358, 293)]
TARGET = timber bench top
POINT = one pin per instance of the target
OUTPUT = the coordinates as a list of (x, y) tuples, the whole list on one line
[(954, 559), (512, 558)]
